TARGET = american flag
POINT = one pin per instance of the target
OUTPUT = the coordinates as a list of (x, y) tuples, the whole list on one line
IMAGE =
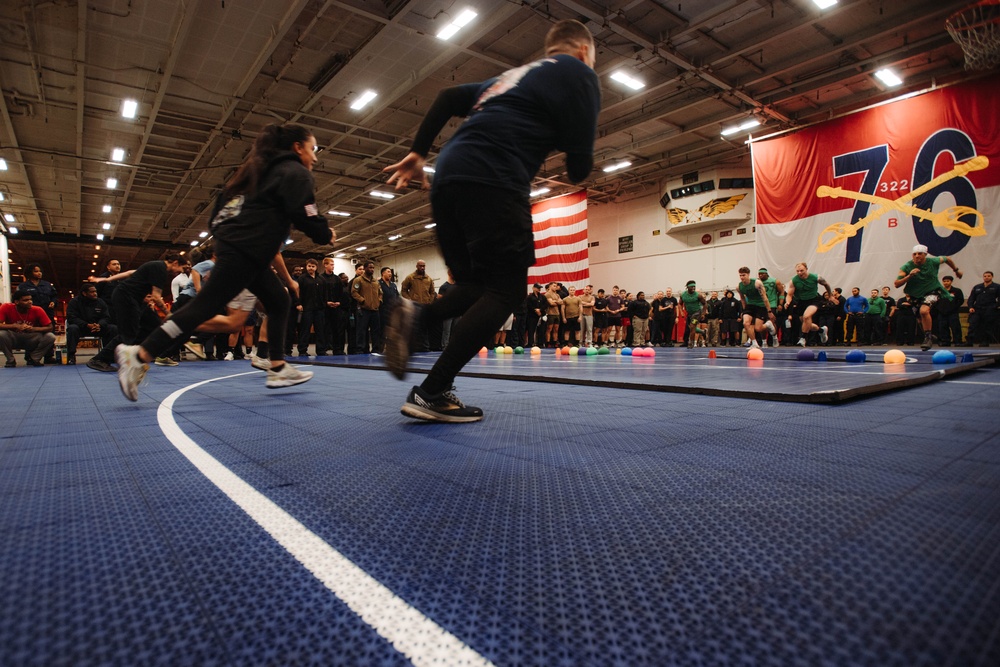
[(560, 228)]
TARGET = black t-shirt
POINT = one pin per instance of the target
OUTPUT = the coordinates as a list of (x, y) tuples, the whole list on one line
[(146, 277)]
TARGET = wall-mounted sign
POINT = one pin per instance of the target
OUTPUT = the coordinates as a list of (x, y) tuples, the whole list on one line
[(624, 244), (706, 239), (726, 233), (741, 230)]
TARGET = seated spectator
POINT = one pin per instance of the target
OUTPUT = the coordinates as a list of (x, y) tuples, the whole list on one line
[(87, 315), (27, 327)]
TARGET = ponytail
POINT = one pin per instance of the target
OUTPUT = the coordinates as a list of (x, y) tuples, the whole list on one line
[(272, 140)]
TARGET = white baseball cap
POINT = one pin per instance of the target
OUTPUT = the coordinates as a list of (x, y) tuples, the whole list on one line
[(920, 248)]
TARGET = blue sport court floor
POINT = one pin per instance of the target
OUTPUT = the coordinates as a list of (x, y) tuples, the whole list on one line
[(607, 511)]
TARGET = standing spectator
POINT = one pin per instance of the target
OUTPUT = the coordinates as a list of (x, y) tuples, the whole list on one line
[(667, 314), (534, 307), (25, 326), (890, 311), (984, 311), (106, 289), (311, 307), (366, 292), (292, 321), (418, 287), (390, 296), (856, 307), (447, 324), (615, 308), (601, 318), (570, 316), (730, 311), (874, 319), (43, 295), (906, 321), (333, 295), (638, 311), (86, 315), (713, 317), (553, 315), (837, 337), (944, 313), (587, 316)]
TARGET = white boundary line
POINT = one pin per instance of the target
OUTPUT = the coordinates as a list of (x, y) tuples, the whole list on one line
[(410, 632)]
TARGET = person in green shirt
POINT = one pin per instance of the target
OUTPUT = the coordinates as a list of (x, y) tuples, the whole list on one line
[(919, 280), (694, 303), (775, 296), (756, 308), (875, 322), (806, 286)]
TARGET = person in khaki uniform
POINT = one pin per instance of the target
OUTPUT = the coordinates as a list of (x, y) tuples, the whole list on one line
[(418, 287), (366, 291), (553, 315), (571, 309)]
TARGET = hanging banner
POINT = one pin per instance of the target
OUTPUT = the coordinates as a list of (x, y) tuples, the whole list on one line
[(561, 249), (852, 196)]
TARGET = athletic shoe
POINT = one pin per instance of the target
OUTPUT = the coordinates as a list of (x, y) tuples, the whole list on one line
[(103, 366), (928, 342), (131, 370), (50, 361), (258, 362), (197, 349), (749, 343), (11, 363), (398, 332), (71, 361), (164, 361), (34, 362), (286, 376), (769, 325), (443, 407), (228, 357), (823, 335), (802, 342), (755, 345)]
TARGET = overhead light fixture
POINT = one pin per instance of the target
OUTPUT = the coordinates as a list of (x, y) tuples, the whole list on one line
[(823, 4), (627, 79), (129, 108), (289, 241), (539, 191), (182, 253), (341, 254), (95, 256), (462, 20), (9, 217), (106, 208), (395, 237), (106, 225), (118, 155), (342, 214), (753, 122), (1, 196), (100, 237), (112, 183), (13, 230), (617, 166), (888, 77), (361, 248), (194, 243), (430, 225), (97, 247), (3, 164), (382, 195), (202, 235), (364, 99), (429, 169)]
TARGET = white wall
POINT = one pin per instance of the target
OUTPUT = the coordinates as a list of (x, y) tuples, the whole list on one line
[(405, 263)]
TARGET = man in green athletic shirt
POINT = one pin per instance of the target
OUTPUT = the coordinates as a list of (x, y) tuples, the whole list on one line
[(756, 308), (806, 285), (694, 302), (919, 280), (775, 293)]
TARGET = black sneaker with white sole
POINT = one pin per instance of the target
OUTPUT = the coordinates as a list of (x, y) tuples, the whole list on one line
[(443, 407)]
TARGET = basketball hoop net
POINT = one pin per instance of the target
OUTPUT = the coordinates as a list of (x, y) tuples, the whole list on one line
[(977, 30)]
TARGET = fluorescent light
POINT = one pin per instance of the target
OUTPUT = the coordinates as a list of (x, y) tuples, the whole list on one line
[(100, 237), (97, 247), (13, 230), (823, 4), (202, 235), (430, 225), (539, 191), (1, 196), (360, 248), (129, 108), (888, 77), (382, 195), (616, 167), (112, 183), (341, 254), (106, 225), (95, 256), (625, 78), (93, 263), (118, 155), (289, 241), (9, 217), (395, 237), (753, 122), (463, 19), (3, 164), (342, 214), (365, 98), (428, 169), (106, 208), (194, 243)]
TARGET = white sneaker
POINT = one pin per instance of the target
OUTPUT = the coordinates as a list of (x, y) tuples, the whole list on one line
[(755, 345), (229, 356), (131, 370), (769, 325), (258, 362), (802, 342), (286, 376), (823, 335)]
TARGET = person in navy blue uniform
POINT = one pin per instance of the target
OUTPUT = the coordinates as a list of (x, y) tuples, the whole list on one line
[(480, 200), (43, 294)]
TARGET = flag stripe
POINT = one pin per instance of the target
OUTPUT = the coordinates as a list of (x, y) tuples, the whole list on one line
[(561, 239)]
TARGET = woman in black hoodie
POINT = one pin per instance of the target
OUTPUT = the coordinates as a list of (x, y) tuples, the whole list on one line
[(271, 191)]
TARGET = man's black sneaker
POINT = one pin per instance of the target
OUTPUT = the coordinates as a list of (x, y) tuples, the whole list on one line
[(443, 407), (102, 366), (398, 331), (928, 342), (11, 363)]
